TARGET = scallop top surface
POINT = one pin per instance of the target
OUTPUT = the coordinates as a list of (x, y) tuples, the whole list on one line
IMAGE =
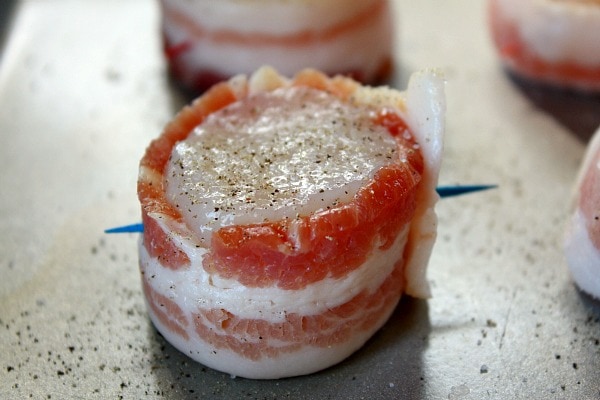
[(275, 155)]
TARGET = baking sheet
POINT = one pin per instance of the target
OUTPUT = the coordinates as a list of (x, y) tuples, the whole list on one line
[(83, 89)]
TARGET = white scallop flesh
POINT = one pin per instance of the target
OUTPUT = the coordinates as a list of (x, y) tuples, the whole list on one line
[(275, 155)]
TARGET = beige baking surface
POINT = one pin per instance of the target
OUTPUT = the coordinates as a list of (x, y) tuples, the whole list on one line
[(82, 92)]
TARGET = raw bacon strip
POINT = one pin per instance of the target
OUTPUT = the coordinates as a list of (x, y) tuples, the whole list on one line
[(207, 41), (289, 296), (252, 254), (166, 311), (225, 330), (583, 235), (150, 186), (553, 41)]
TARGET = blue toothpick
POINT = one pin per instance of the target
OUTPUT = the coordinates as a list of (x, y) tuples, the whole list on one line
[(451, 191), (133, 228), (443, 191)]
